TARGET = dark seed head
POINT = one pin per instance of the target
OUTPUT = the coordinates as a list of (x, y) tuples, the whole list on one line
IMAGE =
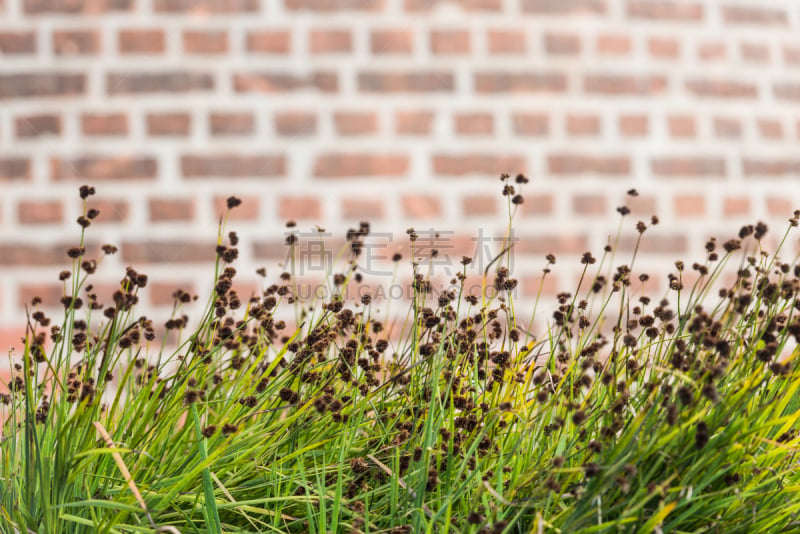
[(86, 191)]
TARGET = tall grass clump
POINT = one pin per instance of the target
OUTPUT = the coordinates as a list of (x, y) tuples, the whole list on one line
[(623, 412)]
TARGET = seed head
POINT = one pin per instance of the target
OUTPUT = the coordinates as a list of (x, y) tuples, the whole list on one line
[(701, 435), (86, 191)]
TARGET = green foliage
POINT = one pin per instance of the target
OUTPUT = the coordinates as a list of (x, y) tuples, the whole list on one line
[(630, 414)]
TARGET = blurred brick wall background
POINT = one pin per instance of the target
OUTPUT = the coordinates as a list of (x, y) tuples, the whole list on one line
[(403, 112)]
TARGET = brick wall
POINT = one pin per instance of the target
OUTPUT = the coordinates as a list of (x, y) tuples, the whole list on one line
[(403, 112)]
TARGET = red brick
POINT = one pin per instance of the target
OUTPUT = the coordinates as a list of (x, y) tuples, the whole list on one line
[(341, 165), (405, 82), (664, 48), (421, 207), (641, 205), (282, 82), (171, 209), (478, 206), (538, 205), (93, 168), (141, 42), (727, 127), (160, 293), (10, 337), (573, 163), (474, 124), (334, 5), (711, 51), (293, 124), (449, 42), (562, 44), (76, 42), (564, 7), (168, 124), (583, 125), (613, 45), (719, 88), (40, 212), (655, 244), (689, 205), (49, 293), (735, 15), (205, 7), (27, 255), (589, 204), (624, 85), (562, 243), (791, 55), (519, 82), (634, 125), (330, 41), (506, 42), (735, 206), (362, 209), (413, 122), (490, 165), (130, 83), (770, 128), (548, 284), (270, 250), (779, 206), (104, 124), (227, 124), (232, 166), (771, 167), (681, 126), (269, 41), (75, 7), (665, 10), (21, 42), (396, 41), (167, 251), (205, 42), (466, 5), (248, 210), (530, 124), (111, 211), (293, 207), (688, 166), (355, 123), (754, 53), (14, 168), (29, 85), (38, 125), (787, 91)]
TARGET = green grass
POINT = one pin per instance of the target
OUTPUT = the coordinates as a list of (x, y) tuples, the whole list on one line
[(673, 413)]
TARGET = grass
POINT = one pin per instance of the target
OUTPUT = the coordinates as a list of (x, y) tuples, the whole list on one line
[(677, 413)]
